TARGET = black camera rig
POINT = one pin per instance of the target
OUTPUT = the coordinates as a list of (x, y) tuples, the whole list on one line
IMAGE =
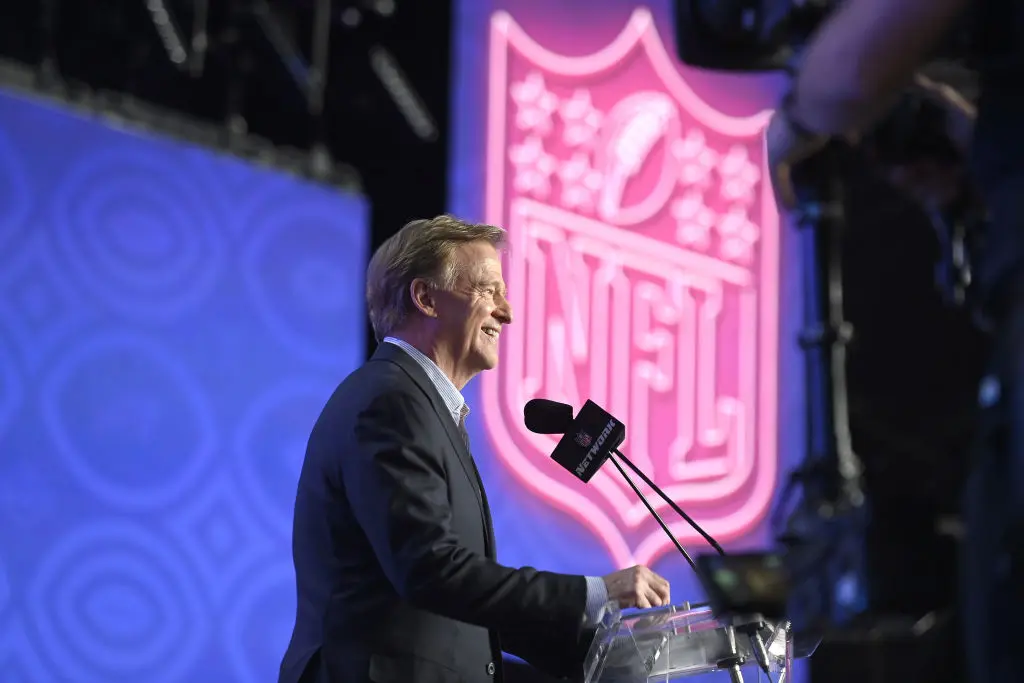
[(821, 534)]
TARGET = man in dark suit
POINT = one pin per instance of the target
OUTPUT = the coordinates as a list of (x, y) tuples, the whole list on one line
[(394, 550)]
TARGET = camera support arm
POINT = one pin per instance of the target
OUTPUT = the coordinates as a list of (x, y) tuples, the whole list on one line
[(824, 533)]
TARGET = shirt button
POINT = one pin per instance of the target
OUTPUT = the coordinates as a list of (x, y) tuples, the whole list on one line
[(490, 668)]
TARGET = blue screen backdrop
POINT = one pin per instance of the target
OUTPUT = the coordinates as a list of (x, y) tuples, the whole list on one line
[(171, 322)]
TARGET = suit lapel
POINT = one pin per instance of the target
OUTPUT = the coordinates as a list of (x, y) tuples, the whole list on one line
[(394, 354), (489, 523)]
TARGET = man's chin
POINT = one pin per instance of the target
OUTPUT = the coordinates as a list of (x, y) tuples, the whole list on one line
[(488, 361)]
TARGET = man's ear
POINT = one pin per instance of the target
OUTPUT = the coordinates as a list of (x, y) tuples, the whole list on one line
[(423, 297)]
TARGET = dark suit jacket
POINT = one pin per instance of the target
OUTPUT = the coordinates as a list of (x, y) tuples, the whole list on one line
[(394, 552)]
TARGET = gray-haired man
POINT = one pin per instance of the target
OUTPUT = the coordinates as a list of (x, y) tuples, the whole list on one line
[(394, 550)]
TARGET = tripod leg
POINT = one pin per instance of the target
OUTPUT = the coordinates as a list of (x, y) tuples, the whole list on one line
[(829, 521), (824, 535)]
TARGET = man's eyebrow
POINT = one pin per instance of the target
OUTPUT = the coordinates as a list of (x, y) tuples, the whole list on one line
[(491, 282)]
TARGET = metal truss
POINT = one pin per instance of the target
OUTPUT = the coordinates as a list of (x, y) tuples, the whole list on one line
[(323, 78)]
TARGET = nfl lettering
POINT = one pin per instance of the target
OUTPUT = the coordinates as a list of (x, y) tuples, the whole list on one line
[(643, 266)]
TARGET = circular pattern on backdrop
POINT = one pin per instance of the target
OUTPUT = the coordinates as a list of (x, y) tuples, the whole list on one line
[(270, 445), (214, 528), (38, 311), (235, 185), (10, 387), (117, 605), (131, 423), (5, 588), (259, 626), (136, 234), (298, 266), (15, 196), (19, 660)]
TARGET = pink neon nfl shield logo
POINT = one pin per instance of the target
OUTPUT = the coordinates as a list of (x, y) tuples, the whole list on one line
[(583, 439), (644, 271)]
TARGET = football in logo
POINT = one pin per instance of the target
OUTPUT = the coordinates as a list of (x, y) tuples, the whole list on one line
[(644, 264), (583, 439)]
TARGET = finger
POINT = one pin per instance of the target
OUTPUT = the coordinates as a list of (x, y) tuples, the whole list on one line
[(657, 581), (659, 591), (663, 589), (654, 599), (642, 600), (625, 597), (784, 187), (924, 83)]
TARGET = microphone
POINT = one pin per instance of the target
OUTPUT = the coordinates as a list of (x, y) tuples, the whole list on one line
[(593, 437), (543, 416), (587, 442)]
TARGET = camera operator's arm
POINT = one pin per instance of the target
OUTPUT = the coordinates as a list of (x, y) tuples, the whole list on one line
[(863, 56)]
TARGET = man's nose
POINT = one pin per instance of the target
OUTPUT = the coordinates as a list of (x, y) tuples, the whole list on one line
[(504, 311)]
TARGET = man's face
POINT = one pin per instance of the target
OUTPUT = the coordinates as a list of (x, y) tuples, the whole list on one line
[(471, 315)]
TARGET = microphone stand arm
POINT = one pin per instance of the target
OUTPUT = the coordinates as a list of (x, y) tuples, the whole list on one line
[(650, 508), (671, 503)]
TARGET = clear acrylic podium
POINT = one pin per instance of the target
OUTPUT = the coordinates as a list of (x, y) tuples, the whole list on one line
[(671, 643)]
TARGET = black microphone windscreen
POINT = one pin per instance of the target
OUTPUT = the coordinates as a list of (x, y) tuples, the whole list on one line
[(543, 416)]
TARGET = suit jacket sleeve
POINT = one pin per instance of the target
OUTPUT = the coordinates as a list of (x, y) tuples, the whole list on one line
[(558, 653), (398, 490)]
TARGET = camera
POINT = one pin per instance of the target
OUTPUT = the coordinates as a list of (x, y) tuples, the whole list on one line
[(746, 35), (768, 35)]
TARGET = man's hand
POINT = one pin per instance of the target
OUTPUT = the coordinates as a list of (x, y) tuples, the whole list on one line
[(960, 113), (934, 184), (637, 587), (786, 148)]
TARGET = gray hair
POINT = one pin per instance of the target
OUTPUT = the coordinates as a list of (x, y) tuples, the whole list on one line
[(421, 249)]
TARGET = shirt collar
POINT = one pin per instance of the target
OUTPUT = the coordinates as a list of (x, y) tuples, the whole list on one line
[(452, 397)]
